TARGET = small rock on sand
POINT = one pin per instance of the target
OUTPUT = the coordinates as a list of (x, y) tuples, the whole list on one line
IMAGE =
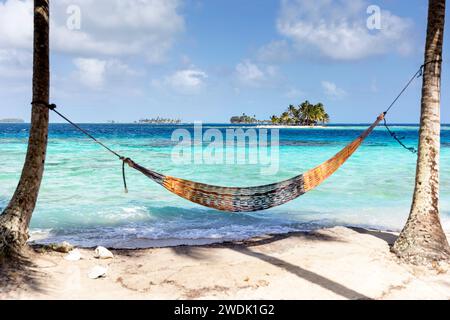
[(64, 247), (97, 272), (74, 255), (103, 253)]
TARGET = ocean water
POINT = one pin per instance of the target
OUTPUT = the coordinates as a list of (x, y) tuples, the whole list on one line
[(82, 198)]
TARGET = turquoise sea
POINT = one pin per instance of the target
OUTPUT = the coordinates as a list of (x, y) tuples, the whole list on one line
[(82, 198)]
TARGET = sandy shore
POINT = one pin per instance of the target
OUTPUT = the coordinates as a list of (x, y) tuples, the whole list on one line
[(337, 263)]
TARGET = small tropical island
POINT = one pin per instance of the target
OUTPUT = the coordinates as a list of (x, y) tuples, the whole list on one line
[(305, 114), (159, 120), (245, 119), (12, 120)]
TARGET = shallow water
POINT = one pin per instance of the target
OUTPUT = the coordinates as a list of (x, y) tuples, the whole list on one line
[(82, 198)]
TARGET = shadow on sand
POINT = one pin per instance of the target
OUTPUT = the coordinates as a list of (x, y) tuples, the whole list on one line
[(244, 247), (20, 273), (310, 276), (389, 238)]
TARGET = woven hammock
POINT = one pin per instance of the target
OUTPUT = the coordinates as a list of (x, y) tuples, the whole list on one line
[(258, 198), (252, 198)]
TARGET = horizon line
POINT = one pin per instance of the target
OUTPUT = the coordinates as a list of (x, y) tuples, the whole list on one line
[(223, 123)]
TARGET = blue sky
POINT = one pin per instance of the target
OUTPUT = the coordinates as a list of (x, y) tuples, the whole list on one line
[(208, 60)]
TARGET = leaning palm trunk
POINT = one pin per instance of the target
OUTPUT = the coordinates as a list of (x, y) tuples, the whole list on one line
[(422, 240), (15, 219)]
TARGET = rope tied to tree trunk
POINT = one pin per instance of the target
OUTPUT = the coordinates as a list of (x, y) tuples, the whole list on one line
[(417, 75), (124, 160)]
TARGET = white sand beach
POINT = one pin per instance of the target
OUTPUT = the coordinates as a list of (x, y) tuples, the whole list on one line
[(337, 263)]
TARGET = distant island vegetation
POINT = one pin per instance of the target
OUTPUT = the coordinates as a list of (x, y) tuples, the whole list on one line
[(245, 119), (159, 120), (12, 120), (305, 114)]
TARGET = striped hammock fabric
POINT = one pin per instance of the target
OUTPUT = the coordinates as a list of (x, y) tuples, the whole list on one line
[(258, 198)]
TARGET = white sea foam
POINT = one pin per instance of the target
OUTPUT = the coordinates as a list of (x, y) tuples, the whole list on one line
[(37, 235)]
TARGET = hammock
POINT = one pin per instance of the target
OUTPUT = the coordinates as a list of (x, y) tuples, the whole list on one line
[(258, 198), (250, 199)]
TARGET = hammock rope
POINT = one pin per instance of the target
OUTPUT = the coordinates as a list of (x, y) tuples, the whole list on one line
[(250, 199)]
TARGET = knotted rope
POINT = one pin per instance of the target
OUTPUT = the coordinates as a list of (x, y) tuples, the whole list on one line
[(418, 74), (124, 160)]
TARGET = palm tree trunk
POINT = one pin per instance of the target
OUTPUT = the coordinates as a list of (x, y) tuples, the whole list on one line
[(15, 219), (422, 240)]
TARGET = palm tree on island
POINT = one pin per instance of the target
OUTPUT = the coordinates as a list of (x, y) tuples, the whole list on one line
[(306, 114)]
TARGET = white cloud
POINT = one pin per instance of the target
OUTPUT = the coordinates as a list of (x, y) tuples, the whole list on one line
[(120, 27), (275, 51), (186, 81), (15, 64), (108, 27), (111, 31), (16, 24), (15, 72), (91, 72), (250, 74), (94, 73), (332, 90), (15, 41), (189, 79), (337, 29)]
